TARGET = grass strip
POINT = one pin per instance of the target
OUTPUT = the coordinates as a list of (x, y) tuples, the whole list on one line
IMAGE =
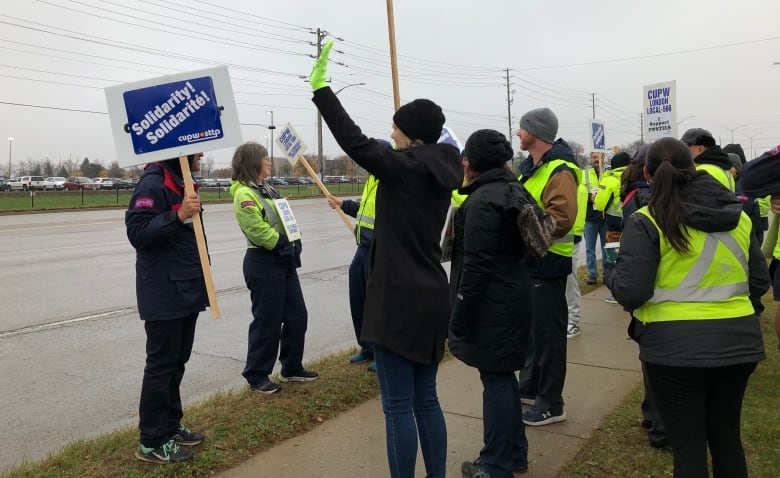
[(619, 447), (237, 425)]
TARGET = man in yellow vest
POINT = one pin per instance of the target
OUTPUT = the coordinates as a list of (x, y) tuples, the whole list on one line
[(363, 211), (707, 156), (551, 176)]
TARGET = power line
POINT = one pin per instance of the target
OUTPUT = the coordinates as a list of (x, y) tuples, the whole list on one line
[(655, 55)]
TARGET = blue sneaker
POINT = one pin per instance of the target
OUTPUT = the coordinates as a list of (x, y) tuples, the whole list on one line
[(535, 418), (372, 367), (361, 357)]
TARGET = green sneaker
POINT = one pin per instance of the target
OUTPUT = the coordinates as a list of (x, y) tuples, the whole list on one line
[(168, 452), (187, 437)]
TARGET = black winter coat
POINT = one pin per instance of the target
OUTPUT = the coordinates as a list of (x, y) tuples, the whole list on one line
[(407, 309), (169, 280), (490, 290)]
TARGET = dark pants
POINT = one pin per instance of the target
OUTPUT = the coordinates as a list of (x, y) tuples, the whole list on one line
[(168, 348), (506, 446), (279, 319), (545, 369), (651, 419), (701, 407), (358, 276), (412, 410)]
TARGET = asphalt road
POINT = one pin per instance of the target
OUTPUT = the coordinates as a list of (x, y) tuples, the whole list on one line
[(71, 342)]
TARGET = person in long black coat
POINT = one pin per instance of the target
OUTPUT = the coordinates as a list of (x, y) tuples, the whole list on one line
[(407, 309), (490, 325)]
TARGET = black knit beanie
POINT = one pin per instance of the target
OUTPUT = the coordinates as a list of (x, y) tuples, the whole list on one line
[(735, 148), (620, 160), (487, 149), (421, 119)]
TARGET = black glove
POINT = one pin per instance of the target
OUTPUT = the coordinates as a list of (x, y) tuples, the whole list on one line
[(282, 243)]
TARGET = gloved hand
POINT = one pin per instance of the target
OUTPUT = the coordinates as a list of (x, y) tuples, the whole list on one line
[(282, 243), (318, 77)]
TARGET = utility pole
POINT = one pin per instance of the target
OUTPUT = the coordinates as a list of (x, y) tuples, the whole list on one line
[(319, 115), (641, 128), (272, 128), (508, 109), (593, 104)]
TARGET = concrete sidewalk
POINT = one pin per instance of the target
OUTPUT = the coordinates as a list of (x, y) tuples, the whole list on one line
[(602, 368)]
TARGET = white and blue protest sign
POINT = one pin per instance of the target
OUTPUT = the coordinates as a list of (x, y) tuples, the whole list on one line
[(173, 116), (292, 144), (598, 138), (448, 137), (660, 109)]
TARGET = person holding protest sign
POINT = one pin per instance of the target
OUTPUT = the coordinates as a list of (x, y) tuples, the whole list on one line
[(279, 316), (364, 211), (688, 265), (490, 327), (171, 292), (407, 335)]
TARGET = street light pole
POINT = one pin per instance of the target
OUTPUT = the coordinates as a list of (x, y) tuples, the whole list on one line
[(10, 142), (734, 129), (272, 128), (752, 151), (686, 118)]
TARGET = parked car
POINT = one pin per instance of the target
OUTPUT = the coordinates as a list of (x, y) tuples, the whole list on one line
[(54, 183), (121, 183), (4, 186), (80, 182), (223, 182), (206, 182), (279, 182), (25, 183), (305, 180), (104, 183), (292, 180)]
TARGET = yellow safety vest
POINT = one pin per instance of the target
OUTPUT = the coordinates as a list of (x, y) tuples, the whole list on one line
[(366, 214), (711, 282), (535, 186), (722, 175), (582, 207)]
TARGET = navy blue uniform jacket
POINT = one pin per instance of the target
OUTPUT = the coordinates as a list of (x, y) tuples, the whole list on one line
[(169, 281)]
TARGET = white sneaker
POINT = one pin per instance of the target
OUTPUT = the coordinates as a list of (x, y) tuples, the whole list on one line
[(573, 331)]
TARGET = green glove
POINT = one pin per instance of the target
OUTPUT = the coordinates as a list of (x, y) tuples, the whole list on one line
[(318, 78)]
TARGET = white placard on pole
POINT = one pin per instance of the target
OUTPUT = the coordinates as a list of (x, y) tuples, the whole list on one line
[(292, 144), (172, 116), (660, 109), (598, 140)]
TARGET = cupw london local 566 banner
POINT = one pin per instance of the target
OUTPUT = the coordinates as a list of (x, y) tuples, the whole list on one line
[(173, 116), (660, 101)]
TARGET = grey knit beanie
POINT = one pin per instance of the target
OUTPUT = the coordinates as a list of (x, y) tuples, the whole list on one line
[(541, 123)]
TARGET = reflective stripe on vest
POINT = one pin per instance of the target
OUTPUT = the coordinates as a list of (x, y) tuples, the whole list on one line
[(709, 283), (535, 185), (367, 210), (722, 175)]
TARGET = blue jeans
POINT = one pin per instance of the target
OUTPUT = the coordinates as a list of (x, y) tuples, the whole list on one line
[(506, 446), (411, 406), (592, 230)]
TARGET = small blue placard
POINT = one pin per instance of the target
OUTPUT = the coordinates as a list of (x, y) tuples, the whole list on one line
[(172, 115)]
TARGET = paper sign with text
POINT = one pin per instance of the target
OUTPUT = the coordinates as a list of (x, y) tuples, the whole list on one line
[(173, 116), (292, 144), (288, 219), (598, 140), (660, 105)]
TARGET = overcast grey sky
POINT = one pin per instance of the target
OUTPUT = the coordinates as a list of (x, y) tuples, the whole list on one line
[(58, 55)]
